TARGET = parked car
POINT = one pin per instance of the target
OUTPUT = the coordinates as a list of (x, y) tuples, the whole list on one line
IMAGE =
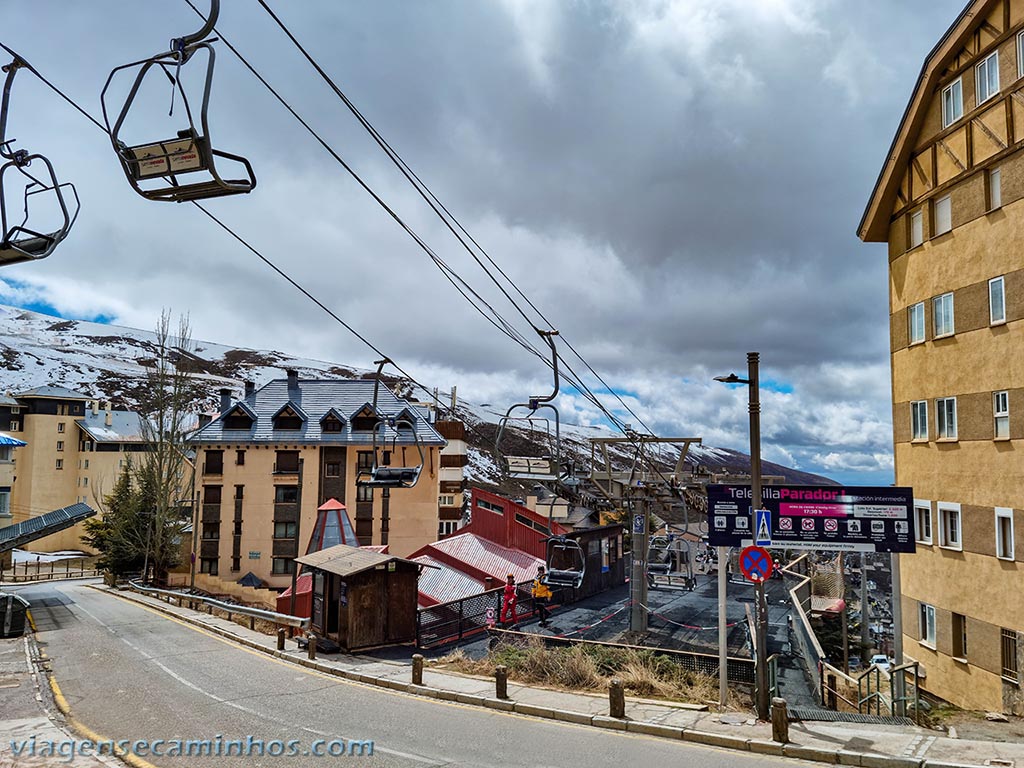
[(882, 661)]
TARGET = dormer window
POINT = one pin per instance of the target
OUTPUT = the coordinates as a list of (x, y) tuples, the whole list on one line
[(239, 417), (332, 423), (289, 417), (365, 419)]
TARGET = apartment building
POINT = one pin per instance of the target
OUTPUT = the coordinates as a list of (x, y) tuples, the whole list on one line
[(269, 460), (949, 202), (75, 451)]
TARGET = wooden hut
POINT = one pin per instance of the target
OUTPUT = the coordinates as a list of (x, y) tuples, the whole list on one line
[(362, 599), (601, 547)]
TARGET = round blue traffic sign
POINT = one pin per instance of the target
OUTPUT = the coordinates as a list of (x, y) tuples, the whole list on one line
[(755, 563)]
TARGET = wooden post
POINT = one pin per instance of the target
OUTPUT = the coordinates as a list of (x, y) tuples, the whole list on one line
[(417, 669), (501, 681), (616, 699), (311, 646), (830, 692), (780, 721), (280, 638)]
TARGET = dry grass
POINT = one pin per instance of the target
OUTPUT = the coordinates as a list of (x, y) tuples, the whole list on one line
[(590, 668)]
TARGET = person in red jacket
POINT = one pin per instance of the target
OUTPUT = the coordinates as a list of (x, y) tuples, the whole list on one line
[(508, 602)]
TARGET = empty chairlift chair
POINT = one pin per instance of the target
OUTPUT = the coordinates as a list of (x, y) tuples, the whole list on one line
[(566, 562), (31, 176), (163, 170), (383, 474)]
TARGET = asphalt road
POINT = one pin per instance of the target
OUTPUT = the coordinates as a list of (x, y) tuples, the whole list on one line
[(132, 673)]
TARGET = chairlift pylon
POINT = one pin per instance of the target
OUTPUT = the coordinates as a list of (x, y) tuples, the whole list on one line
[(382, 474), (191, 150), (21, 242)]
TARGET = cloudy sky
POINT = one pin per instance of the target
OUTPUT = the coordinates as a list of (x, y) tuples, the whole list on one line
[(672, 182)]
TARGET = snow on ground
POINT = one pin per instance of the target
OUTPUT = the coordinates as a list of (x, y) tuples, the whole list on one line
[(23, 556)]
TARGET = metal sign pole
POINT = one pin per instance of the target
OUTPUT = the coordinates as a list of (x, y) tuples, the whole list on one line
[(723, 630)]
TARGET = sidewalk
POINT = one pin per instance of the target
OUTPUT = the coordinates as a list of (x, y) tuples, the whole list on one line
[(25, 716), (872, 746)]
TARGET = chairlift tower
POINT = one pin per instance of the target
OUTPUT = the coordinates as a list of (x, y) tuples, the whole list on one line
[(641, 489)]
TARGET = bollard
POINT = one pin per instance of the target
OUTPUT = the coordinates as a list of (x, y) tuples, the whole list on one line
[(780, 721), (616, 699), (280, 638), (311, 647), (252, 623), (501, 681), (417, 669)]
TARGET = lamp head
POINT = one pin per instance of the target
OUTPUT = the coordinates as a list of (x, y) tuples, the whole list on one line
[(732, 378)]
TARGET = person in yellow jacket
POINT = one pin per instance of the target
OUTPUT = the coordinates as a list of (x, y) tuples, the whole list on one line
[(541, 594)]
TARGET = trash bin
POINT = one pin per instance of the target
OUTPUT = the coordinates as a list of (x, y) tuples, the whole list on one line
[(13, 615)]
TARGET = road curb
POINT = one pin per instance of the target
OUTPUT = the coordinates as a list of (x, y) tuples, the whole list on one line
[(657, 730)]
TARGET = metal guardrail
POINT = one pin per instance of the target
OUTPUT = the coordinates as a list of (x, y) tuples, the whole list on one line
[(279, 619)]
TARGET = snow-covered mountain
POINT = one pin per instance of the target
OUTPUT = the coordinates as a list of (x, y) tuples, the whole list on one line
[(110, 362)]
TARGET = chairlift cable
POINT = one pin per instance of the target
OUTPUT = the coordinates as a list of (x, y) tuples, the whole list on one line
[(435, 203)]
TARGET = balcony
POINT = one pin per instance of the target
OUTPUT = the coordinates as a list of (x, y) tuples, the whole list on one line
[(213, 468), (286, 513), (286, 468), (210, 513), (209, 548)]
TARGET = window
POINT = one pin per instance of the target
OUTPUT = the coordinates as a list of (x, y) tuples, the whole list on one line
[(1020, 55), (15, 427), (446, 500), (331, 425), (1010, 669), (281, 565), (919, 420), (209, 565), (60, 464), (945, 418), (5, 502), (923, 520), (995, 189), (239, 492), (85, 482), (286, 494), (287, 462), (364, 460), (238, 528), (240, 458), (943, 216), (916, 228), (1004, 533), (15, 409), (211, 531), (996, 301), (86, 463), (942, 314), (952, 103), (214, 464), (915, 315), (927, 624), (959, 637), (5, 453), (60, 427), (332, 469), (986, 77), (447, 527), (211, 494), (60, 445), (949, 526), (236, 563), (1001, 414), (284, 530), (364, 493)]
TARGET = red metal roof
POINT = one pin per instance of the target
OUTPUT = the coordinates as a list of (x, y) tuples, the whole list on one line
[(512, 525), (443, 583), (478, 557)]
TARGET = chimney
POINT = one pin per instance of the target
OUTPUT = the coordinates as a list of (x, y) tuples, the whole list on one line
[(250, 389), (489, 582), (110, 417), (95, 405), (293, 379), (225, 400)]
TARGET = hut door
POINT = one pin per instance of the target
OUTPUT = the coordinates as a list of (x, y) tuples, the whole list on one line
[(318, 600), (332, 608)]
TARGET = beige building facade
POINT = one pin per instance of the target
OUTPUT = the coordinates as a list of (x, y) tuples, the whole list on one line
[(950, 204), (76, 448), (268, 461)]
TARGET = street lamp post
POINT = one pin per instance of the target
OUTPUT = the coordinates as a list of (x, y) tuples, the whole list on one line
[(754, 400)]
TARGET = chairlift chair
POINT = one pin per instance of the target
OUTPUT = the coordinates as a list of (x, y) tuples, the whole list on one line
[(21, 242), (384, 475), (532, 468), (565, 577), (191, 150)]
